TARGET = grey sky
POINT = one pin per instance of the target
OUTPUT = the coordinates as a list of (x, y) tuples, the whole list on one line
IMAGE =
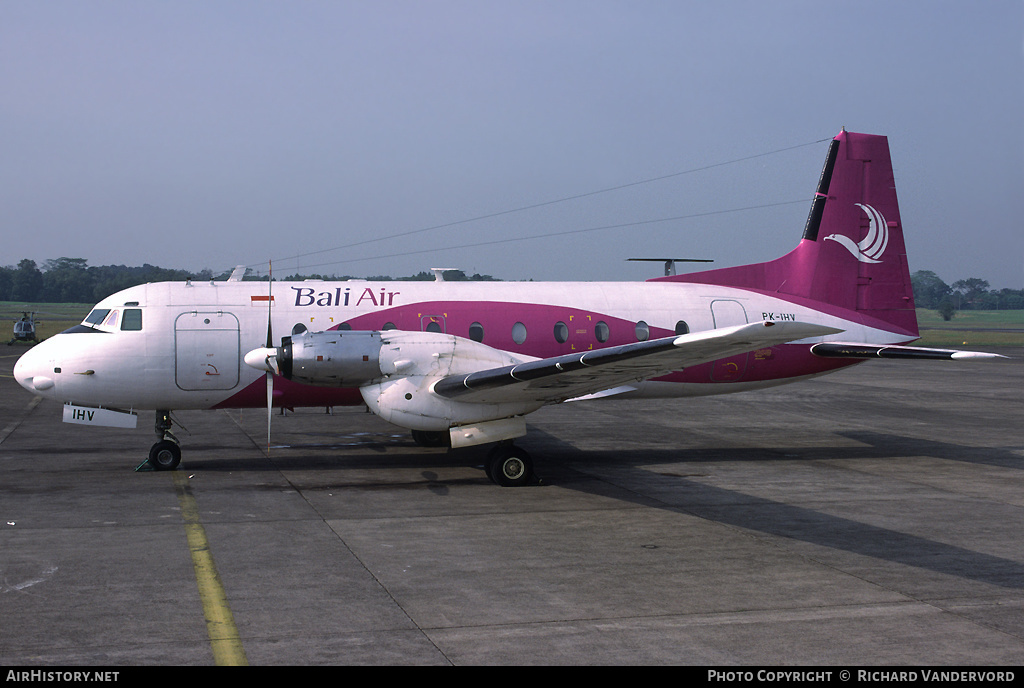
[(207, 134)]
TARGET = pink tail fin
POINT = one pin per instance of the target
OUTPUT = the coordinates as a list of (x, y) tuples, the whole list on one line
[(852, 255)]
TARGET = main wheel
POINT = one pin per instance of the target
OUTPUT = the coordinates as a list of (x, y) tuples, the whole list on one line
[(165, 455), (510, 466)]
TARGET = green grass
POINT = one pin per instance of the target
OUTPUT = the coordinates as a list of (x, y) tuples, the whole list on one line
[(971, 328), (1010, 319)]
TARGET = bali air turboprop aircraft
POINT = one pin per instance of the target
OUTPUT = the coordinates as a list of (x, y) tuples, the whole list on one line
[(463, 363)]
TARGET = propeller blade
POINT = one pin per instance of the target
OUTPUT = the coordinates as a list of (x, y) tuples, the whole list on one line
[(270, 303), (270, 404), (270, 347)]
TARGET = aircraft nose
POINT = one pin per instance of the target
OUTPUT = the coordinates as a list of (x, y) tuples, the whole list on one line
[(34, 371)]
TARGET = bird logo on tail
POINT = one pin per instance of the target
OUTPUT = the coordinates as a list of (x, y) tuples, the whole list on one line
[(872, 246)]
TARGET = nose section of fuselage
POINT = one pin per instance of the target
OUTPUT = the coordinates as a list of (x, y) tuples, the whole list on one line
[(34, 370)]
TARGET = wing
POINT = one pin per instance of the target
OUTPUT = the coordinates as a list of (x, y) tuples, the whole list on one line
[(590, 372)]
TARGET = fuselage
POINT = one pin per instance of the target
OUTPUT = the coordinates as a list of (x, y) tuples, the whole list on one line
[(178, 345)]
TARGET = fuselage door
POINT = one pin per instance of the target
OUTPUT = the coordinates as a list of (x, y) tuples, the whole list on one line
[(432, 323), (726, 313), (206, 350)]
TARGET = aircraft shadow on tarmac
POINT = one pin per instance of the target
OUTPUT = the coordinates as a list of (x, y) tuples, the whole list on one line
[(560, 463), (815, 527)]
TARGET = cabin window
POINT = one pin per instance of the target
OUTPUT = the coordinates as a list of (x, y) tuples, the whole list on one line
[(476, 332), (132, 319), (519, 333), (297, 329), (433, 326), (601, 331), (389, 326), (344, 326), (643, 332), (561, 332), (682, 327)]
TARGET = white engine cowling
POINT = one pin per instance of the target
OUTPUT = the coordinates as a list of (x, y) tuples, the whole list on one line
[(395, 371), (413, 361), (334, 359)]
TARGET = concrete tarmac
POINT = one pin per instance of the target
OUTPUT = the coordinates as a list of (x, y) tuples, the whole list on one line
[(869, 517)]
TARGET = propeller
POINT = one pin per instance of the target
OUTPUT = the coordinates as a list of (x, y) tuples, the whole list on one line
[(271, 365), (265, 357), (270, 353)]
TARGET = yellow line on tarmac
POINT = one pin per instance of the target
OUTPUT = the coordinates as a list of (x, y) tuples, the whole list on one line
[(220, 623)]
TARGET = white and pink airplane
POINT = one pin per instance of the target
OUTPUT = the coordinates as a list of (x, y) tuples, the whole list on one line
[(463, 363)]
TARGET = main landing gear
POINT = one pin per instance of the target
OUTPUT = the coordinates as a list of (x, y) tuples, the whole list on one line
[(165, 455), (506, 464), (509, 465)]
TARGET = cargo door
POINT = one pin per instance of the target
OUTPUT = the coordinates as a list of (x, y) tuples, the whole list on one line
[(206, 351)]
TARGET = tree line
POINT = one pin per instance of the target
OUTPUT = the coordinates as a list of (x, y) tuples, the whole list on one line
[(972, 293), (72, 280)]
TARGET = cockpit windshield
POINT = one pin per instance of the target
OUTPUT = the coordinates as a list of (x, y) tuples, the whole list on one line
[(97, 316), (109, 319)]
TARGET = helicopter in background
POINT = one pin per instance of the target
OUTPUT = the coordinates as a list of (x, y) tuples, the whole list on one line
[(25, 329)]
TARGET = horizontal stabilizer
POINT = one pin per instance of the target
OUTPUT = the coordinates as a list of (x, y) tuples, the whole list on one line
[(840, 350)]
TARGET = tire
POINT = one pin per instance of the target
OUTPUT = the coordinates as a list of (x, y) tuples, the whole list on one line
[(164, 456), (510, 466)]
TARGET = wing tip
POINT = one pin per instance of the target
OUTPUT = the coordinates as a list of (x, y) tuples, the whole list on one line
[(975, 356)]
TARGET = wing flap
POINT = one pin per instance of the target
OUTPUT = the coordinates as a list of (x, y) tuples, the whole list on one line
[(590, 372)]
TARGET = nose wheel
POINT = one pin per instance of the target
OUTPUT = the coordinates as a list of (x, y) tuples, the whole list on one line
[(165, 455)]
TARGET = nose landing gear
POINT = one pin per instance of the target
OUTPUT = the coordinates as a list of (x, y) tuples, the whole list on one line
[(165, 455)]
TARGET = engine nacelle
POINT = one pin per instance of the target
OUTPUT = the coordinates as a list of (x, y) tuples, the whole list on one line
[(407, 401), (336, 358), (395, 372)]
